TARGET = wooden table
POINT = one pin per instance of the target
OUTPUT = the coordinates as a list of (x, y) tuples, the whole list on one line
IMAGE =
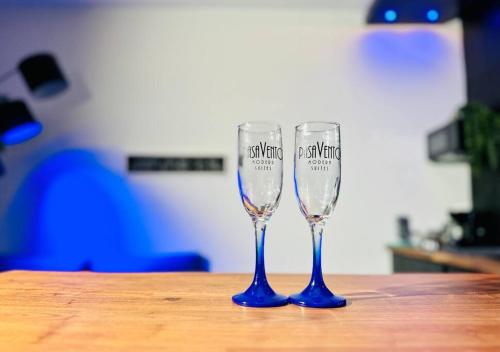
[(53, 311)]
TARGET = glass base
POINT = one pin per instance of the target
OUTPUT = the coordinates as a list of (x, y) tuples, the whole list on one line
[(317, 297), (260, 297)]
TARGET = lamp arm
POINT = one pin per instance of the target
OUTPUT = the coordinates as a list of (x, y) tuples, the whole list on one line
[(3, 99), (6, 75)]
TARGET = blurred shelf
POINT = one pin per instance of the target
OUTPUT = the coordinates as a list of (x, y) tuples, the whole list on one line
[(411, 259)]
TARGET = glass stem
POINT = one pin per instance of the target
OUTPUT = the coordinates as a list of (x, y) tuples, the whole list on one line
[(260, 234), (317, 273)]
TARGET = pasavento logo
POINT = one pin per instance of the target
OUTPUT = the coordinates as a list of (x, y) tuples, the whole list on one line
[(319, 156), (319, 151), (262, 150), (263, 156)]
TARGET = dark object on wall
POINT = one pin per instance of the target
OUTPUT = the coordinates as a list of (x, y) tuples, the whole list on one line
[(44, 79), (411, 11), (177, 164), (17, 124), (43, 75), (446, 144)]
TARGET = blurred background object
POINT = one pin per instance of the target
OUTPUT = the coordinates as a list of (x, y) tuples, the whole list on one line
[(42, 75), (404, 231), (44, 79), (474, 135), (412, 11), (170, 80), (87, 248), (17, 124)]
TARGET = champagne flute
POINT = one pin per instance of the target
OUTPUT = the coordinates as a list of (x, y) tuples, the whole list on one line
[(317, 184), (260, 179)]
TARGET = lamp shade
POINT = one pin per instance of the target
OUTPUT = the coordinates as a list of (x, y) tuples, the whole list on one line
[(42, 75), (17, 125)]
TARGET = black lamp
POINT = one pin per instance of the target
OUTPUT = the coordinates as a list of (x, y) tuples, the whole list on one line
[(412, 11), (44, 79), (42, 75), (17, 124)]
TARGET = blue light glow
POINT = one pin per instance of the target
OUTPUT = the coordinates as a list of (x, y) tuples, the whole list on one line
[(433, 15), (409, 54), (391, 16), (493, 18), (73, 213), (21, 133)]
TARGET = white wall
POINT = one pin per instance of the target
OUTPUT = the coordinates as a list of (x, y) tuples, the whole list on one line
[(177, 80)]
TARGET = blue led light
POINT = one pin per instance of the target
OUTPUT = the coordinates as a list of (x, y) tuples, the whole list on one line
[(433, 15), (21, 133), (391, 16)]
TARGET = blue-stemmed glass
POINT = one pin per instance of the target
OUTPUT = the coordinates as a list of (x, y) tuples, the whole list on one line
[(260, 179), (317, 184)]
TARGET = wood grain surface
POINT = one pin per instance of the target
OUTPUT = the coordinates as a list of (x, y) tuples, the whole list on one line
[(52, 311)]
